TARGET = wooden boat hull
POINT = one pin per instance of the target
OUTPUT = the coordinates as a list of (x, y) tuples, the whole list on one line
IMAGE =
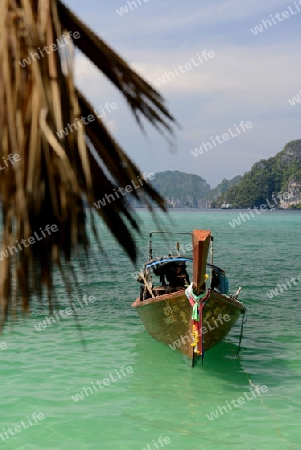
[(168, 319)]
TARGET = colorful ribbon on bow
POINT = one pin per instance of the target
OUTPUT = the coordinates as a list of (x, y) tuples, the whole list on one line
[(197, 302)]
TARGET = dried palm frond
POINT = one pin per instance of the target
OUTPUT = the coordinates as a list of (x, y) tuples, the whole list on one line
[(50, 178)]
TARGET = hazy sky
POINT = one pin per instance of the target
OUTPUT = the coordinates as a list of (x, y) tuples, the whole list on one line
[(250, 78)]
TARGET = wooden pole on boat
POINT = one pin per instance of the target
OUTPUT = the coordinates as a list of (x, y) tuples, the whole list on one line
[(211, 258), (200, 241), (150, 248)]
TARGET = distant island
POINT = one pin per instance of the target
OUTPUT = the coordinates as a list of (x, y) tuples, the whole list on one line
[(275, 182), (182, 190)]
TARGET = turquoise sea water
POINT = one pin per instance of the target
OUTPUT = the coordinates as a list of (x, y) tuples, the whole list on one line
[(146, 390)]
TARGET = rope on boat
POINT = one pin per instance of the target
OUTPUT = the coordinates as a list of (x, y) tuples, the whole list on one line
[(273, 414), (201, 326), (147, 285), (243, 321)]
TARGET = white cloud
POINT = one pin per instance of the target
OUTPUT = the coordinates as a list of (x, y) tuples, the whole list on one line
[(165, 18), (250, 78), (240, 80), (111, 125)]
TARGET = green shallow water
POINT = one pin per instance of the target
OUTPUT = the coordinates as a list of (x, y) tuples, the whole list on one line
[(162, 396)]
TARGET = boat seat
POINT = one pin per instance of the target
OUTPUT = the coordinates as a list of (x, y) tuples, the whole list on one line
[(161, 290)]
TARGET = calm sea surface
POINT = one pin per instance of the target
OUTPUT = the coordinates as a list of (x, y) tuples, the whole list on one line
[(131, 389)]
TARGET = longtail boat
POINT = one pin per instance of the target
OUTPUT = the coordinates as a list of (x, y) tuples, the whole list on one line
[(190, 317)]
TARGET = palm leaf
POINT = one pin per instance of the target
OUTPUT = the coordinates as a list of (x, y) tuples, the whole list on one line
[(53, 177)]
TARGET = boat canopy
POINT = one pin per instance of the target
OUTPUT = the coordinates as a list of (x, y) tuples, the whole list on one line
[(158, 262), (175, 259)]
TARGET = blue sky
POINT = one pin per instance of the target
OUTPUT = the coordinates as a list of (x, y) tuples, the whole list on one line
[(250, 78)]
